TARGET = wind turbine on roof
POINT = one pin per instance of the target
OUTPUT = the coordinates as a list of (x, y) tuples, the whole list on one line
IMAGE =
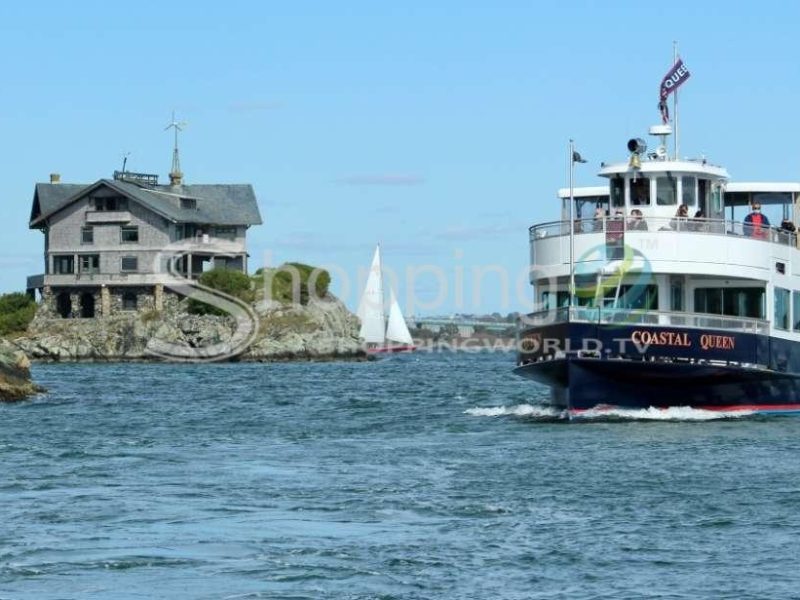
[(175, 175)]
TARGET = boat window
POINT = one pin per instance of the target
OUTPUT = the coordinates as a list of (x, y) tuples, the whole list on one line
[(638, 297), (617, 192), (553, 300), (688, 193), (640, 191), (781, 308), (781, 320), (631, 297), (736, 302), (775, 205), (701, 192), (666, 190), (796, 310), (676, 294)]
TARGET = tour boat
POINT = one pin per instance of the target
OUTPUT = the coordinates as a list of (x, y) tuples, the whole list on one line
[(641, 305), (379, 334)]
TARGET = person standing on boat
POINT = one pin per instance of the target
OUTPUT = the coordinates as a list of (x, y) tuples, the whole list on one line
[(755, 224), (678, 222), (637, 222), (599, 218), (615, 232)]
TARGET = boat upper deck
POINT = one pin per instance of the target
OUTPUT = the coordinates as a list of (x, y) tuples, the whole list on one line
[(664, 225)]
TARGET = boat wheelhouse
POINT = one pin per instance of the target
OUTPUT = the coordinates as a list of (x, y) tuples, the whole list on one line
[(662, 290)]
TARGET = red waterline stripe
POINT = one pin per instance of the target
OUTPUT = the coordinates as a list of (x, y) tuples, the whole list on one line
[(752, 407), (732, 408)]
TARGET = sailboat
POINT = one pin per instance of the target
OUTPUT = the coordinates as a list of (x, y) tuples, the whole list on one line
[(380, 335)]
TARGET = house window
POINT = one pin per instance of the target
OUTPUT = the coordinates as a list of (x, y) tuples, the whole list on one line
[(189, 203), (90, 263), (130, 234), (225, 233), (87, 235), (129, 301), (130, 264), (111, 203), (64, 264)]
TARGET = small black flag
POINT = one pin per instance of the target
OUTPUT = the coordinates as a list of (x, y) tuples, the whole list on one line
[(576, 157)]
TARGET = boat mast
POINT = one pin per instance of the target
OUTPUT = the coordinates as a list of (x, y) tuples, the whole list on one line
[(574, 157), (675, 105), (571, 223)]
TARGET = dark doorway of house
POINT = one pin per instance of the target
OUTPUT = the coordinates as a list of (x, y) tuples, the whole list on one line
[(64, 305), (87, 305)]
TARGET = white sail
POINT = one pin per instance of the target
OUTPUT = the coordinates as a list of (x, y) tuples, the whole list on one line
[(397, 330), (370, 309)]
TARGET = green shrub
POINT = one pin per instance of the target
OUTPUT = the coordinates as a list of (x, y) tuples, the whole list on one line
[(291, 282), (16, 312), (231, 282)]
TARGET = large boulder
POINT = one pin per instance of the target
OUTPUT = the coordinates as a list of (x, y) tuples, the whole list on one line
[(15, 375)]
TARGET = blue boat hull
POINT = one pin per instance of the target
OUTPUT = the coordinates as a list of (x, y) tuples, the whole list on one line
[(583, 384), (638, 367)]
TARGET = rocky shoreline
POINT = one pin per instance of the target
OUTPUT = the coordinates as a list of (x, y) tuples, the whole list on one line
[(323, 329), (15, 375)]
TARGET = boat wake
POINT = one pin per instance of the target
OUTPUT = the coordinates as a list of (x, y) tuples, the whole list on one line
[(537, 412), (607, 413), (673, 413)]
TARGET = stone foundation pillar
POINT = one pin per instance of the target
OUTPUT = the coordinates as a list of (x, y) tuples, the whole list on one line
[(105, 301), (158, 296), (75, 306), (48, 307)]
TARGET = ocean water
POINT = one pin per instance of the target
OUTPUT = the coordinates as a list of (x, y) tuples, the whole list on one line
[(416, 476)]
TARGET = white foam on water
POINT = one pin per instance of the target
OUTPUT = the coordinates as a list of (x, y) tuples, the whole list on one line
[(608, 412), (673, 413), (532, 411)]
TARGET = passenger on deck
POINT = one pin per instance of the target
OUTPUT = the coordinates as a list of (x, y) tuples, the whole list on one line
[(788, 226), (637, 222), (698, 222), (678, 222), (599, 217), (615, 230), (755, 224)]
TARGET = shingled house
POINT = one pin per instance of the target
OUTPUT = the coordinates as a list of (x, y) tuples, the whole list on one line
[(109, 246)]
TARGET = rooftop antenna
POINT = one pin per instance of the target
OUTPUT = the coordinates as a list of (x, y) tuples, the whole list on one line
[(175, 175), (125, 160)]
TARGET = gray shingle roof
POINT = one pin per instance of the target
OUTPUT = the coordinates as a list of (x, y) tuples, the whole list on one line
[(217, 204)]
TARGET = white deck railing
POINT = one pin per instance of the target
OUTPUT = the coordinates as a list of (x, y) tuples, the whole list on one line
[(625, 316), (664, 225)]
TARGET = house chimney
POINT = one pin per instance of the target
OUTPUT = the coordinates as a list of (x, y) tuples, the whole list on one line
[(55, 177)]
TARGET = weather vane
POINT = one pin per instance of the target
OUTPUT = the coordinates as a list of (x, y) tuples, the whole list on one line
[(175, 175)]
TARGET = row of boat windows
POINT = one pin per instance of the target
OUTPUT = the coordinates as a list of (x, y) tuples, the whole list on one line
[(665, 189), (736, 302)]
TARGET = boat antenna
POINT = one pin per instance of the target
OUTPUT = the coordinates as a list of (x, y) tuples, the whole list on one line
[(125, 160)]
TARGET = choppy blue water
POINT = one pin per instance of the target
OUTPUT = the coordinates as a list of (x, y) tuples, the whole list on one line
[(418, 476)]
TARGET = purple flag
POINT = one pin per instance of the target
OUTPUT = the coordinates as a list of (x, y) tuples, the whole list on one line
[(671, 82)]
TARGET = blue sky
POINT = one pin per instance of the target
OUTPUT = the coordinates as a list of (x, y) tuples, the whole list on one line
[(438, 129)]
